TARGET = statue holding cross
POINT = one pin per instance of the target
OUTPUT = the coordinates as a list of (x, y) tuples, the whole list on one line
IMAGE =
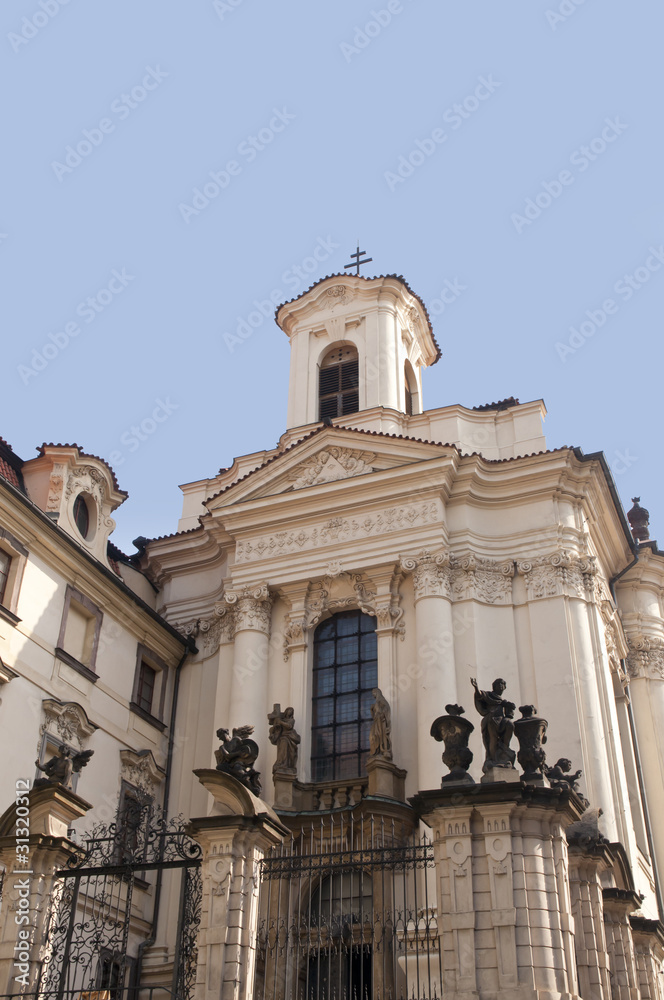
[(285, 738)]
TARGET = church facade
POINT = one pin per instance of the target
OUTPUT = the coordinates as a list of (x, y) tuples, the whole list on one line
[(283, 669)]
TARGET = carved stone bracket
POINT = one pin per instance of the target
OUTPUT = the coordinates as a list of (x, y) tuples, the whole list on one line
[(562, 573), (67, 721), (140, 769), (646, 657)]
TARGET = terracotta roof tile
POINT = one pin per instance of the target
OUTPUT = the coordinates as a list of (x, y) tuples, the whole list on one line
[(381, 434), (362, 277)]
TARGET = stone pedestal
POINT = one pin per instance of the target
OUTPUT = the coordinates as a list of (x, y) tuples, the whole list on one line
[(497, 774), (29, 887), (234, 837), (386, 780), (505, 917), (283, 789)]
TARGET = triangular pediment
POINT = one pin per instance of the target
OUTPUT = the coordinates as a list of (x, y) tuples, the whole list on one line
[(325, 457)]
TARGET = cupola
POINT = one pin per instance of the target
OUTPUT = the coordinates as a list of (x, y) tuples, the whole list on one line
[(356, 343)]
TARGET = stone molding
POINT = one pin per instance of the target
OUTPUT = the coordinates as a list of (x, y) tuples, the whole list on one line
[(337, 530), (140, 769), (646, 657), (67, 721), (324, 597), (330, 465)]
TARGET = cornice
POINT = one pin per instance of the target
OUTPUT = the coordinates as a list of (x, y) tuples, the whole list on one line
[(68, 560)]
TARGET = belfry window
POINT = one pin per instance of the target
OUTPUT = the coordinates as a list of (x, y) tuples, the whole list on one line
[(345, 672), (338, 384)]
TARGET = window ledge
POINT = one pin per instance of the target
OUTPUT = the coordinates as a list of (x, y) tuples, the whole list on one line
[(72, 662), (8, 615), (133, 707)]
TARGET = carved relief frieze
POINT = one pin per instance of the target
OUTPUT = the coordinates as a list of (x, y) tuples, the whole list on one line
[(55, 486), (67, 721), (140, 770), (646, 657), (343, 591), (331, 465), (91, 480), (339, 295), (336, 530)]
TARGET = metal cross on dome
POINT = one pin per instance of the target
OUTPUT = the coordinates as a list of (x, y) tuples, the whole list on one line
[(356, 262)]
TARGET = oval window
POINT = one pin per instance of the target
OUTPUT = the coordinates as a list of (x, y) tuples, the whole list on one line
[(81, 515)]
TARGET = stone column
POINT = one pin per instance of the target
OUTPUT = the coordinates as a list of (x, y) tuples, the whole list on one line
[(645, 665), (587, 860), (234, 838), (648, 939), (618, 904), (436, 674), (389, 628), (252, 612), (30, 888), (505, 912)]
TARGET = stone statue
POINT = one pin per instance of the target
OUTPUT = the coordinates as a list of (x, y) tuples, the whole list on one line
[(237, 755), (497, 725), (285, 738), (59, 769), (380, 735), (560, 777), (454, 731)]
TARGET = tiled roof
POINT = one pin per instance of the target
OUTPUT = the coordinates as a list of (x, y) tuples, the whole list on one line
[(362, 277), (380, 434), (502, 404), (85, 454), (10, 464)]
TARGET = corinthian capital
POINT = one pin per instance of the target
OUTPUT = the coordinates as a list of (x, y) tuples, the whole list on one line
[(646, 657), (251, 608), (430, 572)]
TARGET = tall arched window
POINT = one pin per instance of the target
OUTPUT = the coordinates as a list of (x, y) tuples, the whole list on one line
[(345, 672), (338, 383), (410, 390)]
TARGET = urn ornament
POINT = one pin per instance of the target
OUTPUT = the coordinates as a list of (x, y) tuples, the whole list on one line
[(454, 731)]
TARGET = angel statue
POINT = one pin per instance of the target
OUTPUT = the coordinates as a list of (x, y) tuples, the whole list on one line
[(237, 755), (59, 770)]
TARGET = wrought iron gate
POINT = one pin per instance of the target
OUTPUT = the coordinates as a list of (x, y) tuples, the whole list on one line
[(102, 910), (349, 912)]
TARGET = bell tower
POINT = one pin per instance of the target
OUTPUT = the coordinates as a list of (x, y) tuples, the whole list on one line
[(356, 343)]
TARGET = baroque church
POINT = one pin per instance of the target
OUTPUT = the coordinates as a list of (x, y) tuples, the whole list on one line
[(223, 773)]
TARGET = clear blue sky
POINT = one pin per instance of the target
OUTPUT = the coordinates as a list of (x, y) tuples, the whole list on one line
[(556, 103)]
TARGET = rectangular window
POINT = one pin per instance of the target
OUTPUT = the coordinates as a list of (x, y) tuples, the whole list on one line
[(79, 633), (149, 687), (146, 684), (345, 674), (5, 565), (13, 557)]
